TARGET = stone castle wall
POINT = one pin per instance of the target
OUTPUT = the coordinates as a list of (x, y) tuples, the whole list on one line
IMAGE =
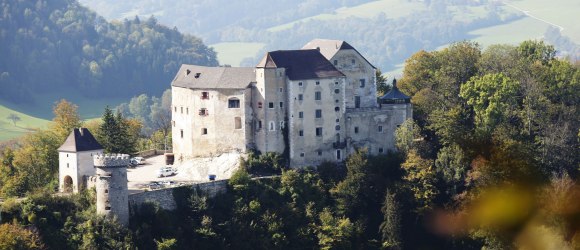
[(164, 197)]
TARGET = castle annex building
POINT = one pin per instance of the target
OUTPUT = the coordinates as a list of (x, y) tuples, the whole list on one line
[(319, 103)]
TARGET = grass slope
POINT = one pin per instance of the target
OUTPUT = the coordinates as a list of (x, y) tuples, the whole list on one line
[(9, 130), (233, 53)]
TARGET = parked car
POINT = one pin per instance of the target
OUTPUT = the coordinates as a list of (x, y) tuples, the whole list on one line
[(165, 171), (140, 160), (167, 183), (154, 185), (133, 163)]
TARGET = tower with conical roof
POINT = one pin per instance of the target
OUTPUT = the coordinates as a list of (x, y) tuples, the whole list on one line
[(75, 157)]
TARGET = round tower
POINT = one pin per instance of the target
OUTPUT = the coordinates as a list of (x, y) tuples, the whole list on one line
[(112, 192)]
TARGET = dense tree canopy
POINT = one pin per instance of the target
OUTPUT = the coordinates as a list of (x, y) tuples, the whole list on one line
[(62, 46)]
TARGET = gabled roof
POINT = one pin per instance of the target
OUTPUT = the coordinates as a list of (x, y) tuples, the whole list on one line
[(79, 140), (329, 48), (300, 64), (201, 77), (395, 93)]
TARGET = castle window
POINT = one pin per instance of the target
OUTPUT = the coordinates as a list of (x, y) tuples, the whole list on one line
[(299, 84), (203, 112), (67, 166), (187, 111), (380, 129), (300, 97), (204, 95), (272, 126), (282, 124), (356, 130), (234, 103), (204, 131), (319, 131), (182, 110), (335, 62), (381, 150), (317, 82), (362, 83), (260, 124), (175, 109), (301, 133), (302, 154), (237, 122), (173, 123), (281, 104), (337, 128), (352, 61), (335, 83), (280, 89), (197, 75), (317, 95), (66, 155), (106, 191), (259, 105), (181, 132), (319, 153), (318, 113), (107, 208), (337, 120), (271, 105), (338, 156), (336, 101), (300, 114), (336, 91), (336, 109)]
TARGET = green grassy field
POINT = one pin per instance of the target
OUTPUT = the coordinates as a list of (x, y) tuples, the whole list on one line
[(234, 53), (391, 8), (9, 130)]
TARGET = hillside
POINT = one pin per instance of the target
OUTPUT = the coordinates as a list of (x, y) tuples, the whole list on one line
[(62, 49), (386, 30)]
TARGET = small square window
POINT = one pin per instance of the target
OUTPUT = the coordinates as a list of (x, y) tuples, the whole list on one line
[(337, 127), (319, 131), (336, 91), (301, 133), (362, 83), (317, 82), (204, 131), (356, 130), (381, 150), (336, 101), (259, 105), (318, 113), (203, 112), (280, 89), (335, 83), (337, 120), (271, 105), (336, 109), (204, 95), (380, 128), (302, 154), (317, 95), (299, 84), (319, 153), (234, 103), (300, 114), (300, 97)]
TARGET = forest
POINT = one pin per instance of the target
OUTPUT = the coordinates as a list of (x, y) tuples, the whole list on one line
[(59, 46), (489, 160)]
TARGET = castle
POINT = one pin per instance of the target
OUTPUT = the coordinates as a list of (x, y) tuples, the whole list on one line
[(317, 104)]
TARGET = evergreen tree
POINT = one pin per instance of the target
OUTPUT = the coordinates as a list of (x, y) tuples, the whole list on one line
[(391, 226), (109, 132)]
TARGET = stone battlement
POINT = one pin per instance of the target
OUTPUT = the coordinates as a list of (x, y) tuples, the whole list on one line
[(111, 160)]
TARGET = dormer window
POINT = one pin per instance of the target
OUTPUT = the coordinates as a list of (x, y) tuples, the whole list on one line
[(197, 75), (187, 72), (204, 95)]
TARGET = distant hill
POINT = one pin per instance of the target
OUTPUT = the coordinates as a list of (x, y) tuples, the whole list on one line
[(55, 47), (386, 31)]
